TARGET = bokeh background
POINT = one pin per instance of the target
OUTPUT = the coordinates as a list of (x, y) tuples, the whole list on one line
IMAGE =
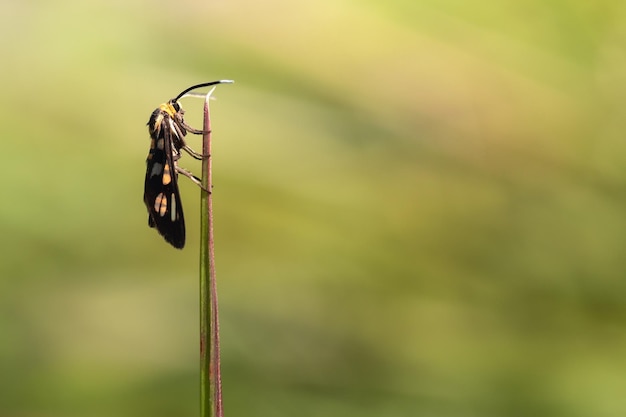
[(420, 208)]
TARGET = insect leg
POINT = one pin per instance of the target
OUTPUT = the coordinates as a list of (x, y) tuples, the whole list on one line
[(192, 177), (193, 153), (182, 144), (192, 130)]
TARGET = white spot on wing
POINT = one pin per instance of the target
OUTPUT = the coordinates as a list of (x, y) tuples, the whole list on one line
[(174, 214), (157, 168)]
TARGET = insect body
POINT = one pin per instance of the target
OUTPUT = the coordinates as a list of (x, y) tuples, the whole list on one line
[(167, 132)]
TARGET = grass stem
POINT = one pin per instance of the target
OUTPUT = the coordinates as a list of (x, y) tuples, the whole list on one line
[(210, 376)]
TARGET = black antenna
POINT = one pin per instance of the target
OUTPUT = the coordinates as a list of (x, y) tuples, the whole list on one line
[(193, 87)]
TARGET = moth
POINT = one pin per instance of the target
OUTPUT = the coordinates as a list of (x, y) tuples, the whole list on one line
[(167, 129)]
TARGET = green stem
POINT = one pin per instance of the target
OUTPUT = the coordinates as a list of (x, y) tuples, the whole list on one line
[(210, 377)]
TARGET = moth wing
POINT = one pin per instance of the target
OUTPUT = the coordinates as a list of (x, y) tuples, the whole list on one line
[(161, 195)]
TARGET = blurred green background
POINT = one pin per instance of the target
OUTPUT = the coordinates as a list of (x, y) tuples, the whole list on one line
[(420, 208)]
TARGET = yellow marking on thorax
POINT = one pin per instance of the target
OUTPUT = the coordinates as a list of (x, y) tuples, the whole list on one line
[(168, 108)]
